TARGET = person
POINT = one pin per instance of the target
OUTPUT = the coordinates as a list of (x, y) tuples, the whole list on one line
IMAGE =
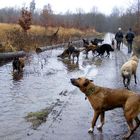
[(119, 38), (129, 38)]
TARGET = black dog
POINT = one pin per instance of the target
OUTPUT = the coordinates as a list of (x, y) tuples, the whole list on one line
[(18, 64), (104, 48), (96, 41)]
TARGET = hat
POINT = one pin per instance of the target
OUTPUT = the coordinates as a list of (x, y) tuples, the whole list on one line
[(119, 29)]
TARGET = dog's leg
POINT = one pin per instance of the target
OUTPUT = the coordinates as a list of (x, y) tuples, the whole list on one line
[(138, 124), (73, 58), (77, 58), (129, 120), (137, 120), (69, 56), (133, 129), (128, 82), (124, 81), (130, 131), (96, 115), (86, 54), (108, 54), (102, 119), (135, 78)]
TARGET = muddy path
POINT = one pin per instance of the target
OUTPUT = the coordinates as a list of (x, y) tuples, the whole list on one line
[(45, 83)]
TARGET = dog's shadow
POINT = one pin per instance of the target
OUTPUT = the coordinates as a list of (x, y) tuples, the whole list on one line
[(17, 76)]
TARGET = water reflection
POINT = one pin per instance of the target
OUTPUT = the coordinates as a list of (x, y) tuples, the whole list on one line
[(92, 61), (17, 76), (71, 65)]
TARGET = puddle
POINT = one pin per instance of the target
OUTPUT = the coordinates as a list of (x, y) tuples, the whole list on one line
[(44, 80)]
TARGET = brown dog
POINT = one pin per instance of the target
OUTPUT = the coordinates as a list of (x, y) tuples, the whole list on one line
[(128, 69), (89, 47), (71, 51), (103, 99)]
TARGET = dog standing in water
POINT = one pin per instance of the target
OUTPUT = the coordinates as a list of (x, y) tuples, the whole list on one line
[(18, 64), (103, 99), (71, 51)]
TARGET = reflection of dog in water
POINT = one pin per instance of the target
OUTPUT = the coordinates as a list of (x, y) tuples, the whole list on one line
[(70, 65), (17, 76), (71, 51), (103, 99), (18, 64)]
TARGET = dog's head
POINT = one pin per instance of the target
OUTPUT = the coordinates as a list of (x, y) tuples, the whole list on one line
[(86, 42), (81, 82), (134, 58)]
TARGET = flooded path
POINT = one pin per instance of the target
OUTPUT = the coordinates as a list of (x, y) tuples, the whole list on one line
[(45, 82)]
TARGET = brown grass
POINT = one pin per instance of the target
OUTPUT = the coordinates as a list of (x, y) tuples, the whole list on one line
[(13, 35)]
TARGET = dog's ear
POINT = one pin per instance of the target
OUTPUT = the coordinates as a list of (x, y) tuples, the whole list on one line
[(86, 83)]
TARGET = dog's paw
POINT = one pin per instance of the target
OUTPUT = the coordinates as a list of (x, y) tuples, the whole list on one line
[(99, 127), (127, 136), (90, 130)]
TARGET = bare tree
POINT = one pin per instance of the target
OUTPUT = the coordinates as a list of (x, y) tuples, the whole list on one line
[(46, 15)]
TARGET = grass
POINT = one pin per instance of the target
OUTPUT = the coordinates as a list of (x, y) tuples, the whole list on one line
[(37, 36), (37, 118)]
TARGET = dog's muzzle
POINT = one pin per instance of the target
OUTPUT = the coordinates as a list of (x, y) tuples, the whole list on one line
[(72, 80)]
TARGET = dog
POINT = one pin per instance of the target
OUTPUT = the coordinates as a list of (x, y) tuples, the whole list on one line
[(128, 69), (104, 48), (89, 47), (18, 64), (70, 51), (96, 41), (103, 99)]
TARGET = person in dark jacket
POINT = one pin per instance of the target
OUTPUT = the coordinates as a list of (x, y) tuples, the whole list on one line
[(119, 38), (129, 38)]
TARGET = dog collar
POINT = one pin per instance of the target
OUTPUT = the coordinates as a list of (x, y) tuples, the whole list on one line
[(90, 91)]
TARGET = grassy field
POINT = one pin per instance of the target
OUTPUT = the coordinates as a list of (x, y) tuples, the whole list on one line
[(12, 38)]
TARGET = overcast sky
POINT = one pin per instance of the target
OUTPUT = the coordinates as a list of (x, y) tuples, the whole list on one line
[(61, 6)]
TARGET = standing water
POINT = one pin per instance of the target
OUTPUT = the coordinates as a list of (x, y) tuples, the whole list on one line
[(44, 78)]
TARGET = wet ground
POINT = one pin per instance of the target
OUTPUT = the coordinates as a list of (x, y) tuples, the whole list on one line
[(45, 83)]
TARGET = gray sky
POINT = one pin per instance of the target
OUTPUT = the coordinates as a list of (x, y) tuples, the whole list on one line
[(61, 6)]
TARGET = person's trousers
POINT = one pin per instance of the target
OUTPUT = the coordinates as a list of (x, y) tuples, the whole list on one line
[(129, 47)]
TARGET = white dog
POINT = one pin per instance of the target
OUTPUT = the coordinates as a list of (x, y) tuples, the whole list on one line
[(128, 69)]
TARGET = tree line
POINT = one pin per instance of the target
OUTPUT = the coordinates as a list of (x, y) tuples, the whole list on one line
[(81, 20)]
